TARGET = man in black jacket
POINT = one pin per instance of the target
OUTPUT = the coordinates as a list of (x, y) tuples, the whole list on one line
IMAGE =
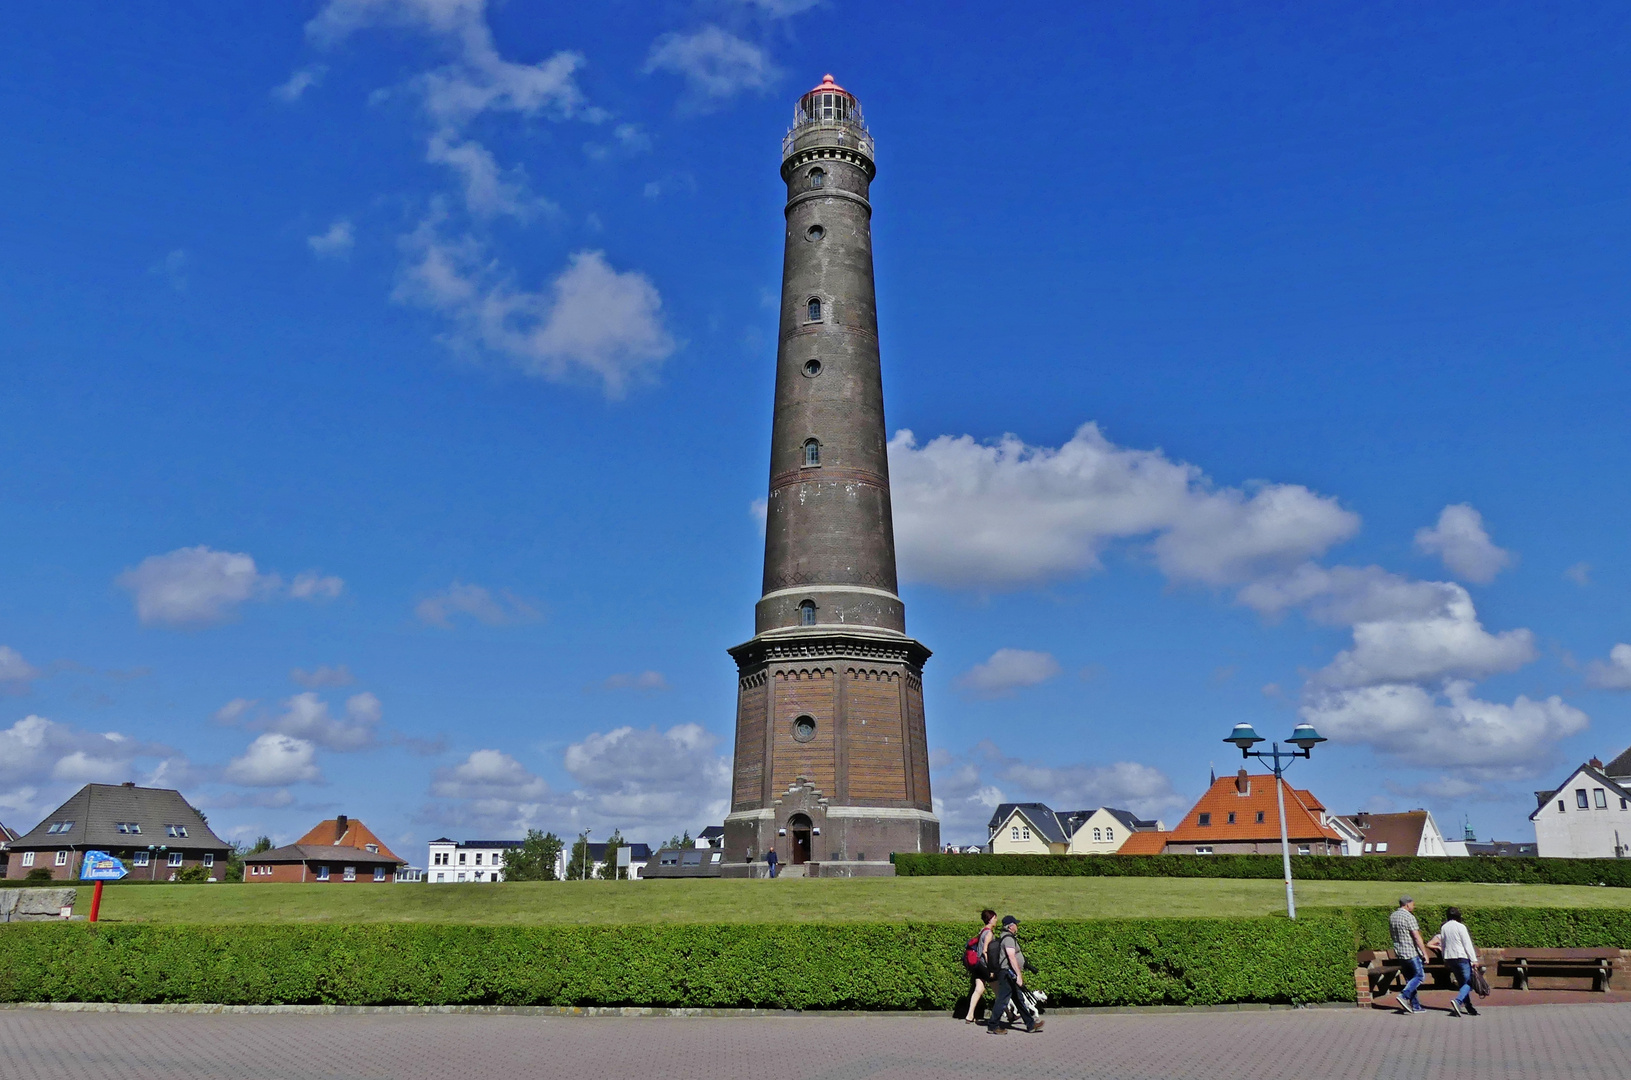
[(1010, 966)]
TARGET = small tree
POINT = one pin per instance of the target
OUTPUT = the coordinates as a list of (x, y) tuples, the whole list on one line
[(191, 875), (680, 841), (580, 865), (235, 858), (535, 859), (609, 870), (39, 873)]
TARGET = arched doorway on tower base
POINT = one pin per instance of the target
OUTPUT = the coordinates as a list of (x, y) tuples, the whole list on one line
[(798, 827)]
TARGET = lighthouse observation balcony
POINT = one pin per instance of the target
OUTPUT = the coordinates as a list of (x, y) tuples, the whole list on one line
[(829, 117)]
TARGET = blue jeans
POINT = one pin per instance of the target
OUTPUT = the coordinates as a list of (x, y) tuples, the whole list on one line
[(1463, 970), (1418, 972)]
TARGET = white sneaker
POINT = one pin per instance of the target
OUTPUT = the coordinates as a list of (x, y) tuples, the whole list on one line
[(1404, 1005), (1455, 1007)]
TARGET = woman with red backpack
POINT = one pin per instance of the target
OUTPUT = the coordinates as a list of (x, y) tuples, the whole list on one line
[(975, 955)]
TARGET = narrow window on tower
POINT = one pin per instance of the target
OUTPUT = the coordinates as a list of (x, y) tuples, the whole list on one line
[(817, 177), (812, 453), (815, 309), (807, 613)]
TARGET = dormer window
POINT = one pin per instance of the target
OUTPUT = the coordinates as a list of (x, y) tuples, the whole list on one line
[(817, 178), (1206, 819), (812, 453), (807, 613)]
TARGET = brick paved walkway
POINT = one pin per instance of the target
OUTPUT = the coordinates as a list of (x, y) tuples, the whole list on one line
[(1581, 1042)]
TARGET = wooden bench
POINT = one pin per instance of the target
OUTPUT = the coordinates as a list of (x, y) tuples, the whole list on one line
[(1597, 964), (1387, 972)]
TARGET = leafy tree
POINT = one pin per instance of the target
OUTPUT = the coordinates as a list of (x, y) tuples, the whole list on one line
[(535, 859), (192, 875), (235, 858), (680, 841), (580, 865), (609, 870)]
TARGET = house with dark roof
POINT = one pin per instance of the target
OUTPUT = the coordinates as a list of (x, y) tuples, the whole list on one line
[(155, 831), (1413, 832), (711, 837), (1035, 829), (1239, 815), (340, 849), (1588, 816), (451, 861), (6, 837)]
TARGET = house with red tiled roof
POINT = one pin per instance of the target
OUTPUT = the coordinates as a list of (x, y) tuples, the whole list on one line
[(339, 849), (1238, 815)]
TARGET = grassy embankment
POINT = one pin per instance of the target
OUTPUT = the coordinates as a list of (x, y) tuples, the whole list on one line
[(794, 900)]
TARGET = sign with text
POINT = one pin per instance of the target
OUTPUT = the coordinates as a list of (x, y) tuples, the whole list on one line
[(100, 866)]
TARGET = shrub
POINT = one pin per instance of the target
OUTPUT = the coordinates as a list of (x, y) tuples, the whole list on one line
[(806, 966), (38, 874), (1498, 927), (1615, 872)]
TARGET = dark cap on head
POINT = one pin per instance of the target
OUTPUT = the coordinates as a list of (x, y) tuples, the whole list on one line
[(1009, 920)]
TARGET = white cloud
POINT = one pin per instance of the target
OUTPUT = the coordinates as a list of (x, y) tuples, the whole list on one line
[(1579, 573), (1450, 729), (14, 669), (644, 681), (338, 675), (194, 586), (1009, 515), (660, 780), (488, 189), (1422, 647), (715, 63), (199, 586), (488, 774), (233, 711), (35, 752), (274, 760), (1006, 671), (335, 243), (592, 321), (1613, 673), (1460, 540), (627, 141), (306, 717), (477, 601), (299, 82)]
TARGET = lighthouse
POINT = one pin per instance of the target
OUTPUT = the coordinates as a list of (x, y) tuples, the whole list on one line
[(831, 759)]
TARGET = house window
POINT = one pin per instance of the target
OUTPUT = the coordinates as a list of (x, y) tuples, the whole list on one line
[(351, 873), (815, 309), (461, 858), (138, 859), (1560, 806), (1206, 819), (1231, 817), (28, 858), (1580, 797), (62, 858), (175, 858), (1109, 834), (322, 873), (1622, 804), (1599, 798), (129, 827), (1381, 847), (1204, 849), (371, 847), (478, 858), (1367, 847), (1013, 834), (178, 831), (1260, 817), (441, 876), (804, 729), (461, 875), (816, 177), (1303, 849), (812, 453), (59, 827), (209, 860), (807, 613), (1096, 835), (1025, 832), (379, 873)]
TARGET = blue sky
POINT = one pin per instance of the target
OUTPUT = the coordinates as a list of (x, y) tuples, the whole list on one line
[(387, 388)]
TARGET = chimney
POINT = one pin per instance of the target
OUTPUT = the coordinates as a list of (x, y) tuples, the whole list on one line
[(1243, 783), (1362, 819), (341, 824), (128, 783), (1594, 763)]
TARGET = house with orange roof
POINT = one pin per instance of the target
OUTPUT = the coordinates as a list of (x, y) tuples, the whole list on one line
[(339, 849), (1238, 816)]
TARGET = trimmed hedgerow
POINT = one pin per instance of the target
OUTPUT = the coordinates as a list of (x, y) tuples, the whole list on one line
[(1615, 872), (812, 966), (1497, 927)]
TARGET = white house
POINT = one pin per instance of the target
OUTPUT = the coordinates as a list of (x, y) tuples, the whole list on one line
[(1034, 829), (466, 860), (1588, 816), (1412, 832)]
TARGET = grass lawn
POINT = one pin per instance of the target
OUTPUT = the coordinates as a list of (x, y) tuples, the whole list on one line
[(927, 899)]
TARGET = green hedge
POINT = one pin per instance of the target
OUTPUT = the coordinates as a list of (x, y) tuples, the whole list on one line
[(1500, 927), (1615, 872), (812, 966)]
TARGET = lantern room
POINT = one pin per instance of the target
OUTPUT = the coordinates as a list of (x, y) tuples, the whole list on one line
[(828, 103)]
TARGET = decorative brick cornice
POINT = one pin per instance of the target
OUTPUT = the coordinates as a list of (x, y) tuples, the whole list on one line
[(829, 645)]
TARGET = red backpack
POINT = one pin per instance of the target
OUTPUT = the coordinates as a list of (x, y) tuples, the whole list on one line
[(971, 953)]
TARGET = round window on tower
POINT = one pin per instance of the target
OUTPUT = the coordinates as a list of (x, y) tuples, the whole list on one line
[(814, 232), (804, 729), (812, 368)]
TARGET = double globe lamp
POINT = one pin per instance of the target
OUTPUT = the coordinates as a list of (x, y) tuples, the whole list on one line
[(1304, 738)]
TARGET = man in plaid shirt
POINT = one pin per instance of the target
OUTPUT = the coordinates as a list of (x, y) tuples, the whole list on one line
[(1409, 947)]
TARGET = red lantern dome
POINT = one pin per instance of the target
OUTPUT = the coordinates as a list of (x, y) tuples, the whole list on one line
[(829, 102)]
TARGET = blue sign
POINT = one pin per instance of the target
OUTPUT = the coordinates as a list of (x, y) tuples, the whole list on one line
[(100, 866)]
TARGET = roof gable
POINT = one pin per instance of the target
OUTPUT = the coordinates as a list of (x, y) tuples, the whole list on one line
[(1043, 821), (97, 810), (1591, 775), (1303, 813), (346, 832), (1620, 766)]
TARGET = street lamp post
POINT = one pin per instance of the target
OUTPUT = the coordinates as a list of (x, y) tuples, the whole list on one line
[(1305, 738)]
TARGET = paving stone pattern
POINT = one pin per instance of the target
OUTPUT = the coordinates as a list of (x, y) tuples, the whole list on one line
[(1581, 1042)]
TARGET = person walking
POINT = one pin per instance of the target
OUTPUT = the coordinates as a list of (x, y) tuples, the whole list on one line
[(770, 859), (979, 971), (1455, 944), (1010, 978), (1409, 947)]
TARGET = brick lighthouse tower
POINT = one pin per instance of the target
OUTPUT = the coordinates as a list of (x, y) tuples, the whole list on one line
[(832, 766)]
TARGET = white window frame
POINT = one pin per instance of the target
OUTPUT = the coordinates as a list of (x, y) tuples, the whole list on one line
[(175, 859), (28, 858), (140, 858), (62, 858), (1013, 833), (1599, 798), (1580, 801), (379, 873), (350, 873), (1305, 849), (209, 860), (322, 873), (1381, 847), (440, 876), (1110, 835), (1204, 849)]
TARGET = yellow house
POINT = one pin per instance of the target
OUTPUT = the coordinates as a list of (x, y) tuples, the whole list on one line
[(1034, 829)]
